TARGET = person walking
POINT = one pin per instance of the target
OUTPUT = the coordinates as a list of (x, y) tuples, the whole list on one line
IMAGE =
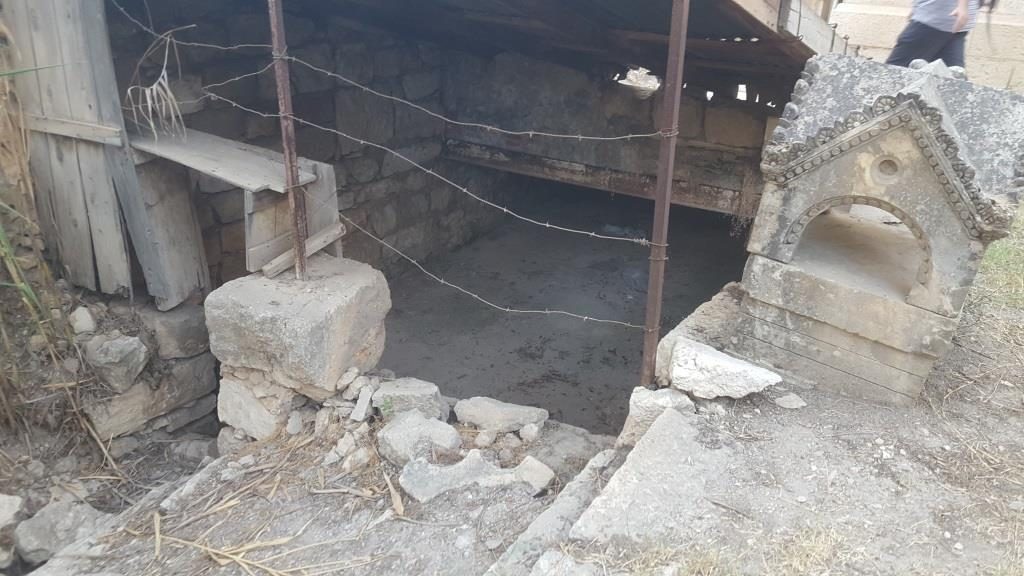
[(937, 31)]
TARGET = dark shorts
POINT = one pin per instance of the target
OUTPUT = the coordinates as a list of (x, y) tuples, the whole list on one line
[(919, 41)]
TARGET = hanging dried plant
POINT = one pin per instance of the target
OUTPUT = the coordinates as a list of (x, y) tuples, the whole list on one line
[(154, 106)]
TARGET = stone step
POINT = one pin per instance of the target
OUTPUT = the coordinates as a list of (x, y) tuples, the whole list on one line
[(551, 528), (656, 498)]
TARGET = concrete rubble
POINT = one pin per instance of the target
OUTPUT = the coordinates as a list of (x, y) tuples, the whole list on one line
[(424, 481), (178, 333), (707, 373), (645, 406), (411, 435), (497, 416)]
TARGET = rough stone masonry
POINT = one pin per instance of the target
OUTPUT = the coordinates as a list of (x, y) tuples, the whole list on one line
[(281, 341)]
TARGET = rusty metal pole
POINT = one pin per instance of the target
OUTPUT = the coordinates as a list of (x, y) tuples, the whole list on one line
[(663, 192), (296, 196)]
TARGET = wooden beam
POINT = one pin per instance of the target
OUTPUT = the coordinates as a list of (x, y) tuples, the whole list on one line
[(107, 135), (684, 192), (314, 244)]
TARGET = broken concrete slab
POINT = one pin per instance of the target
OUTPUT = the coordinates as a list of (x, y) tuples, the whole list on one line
[(117, 360), (713, 323), (185, 381), (490, 414), (337, 315), (256, 408), (551, 528), (405, 394), (179, 332), (707, 373), (657, 496), (412, 435), (53, 527), (644, 408), (424, 481)]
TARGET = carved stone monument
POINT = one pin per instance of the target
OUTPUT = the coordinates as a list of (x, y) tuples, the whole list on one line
[(884, 186)]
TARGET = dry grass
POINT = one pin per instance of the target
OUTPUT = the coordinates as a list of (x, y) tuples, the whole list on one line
[(818, 551), (682, 561), (1002, 272)]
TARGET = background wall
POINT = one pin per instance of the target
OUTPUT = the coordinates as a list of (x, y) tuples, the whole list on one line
[(995, 49)]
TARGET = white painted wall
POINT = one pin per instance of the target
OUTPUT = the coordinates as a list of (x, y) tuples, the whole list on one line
[(995, 51)]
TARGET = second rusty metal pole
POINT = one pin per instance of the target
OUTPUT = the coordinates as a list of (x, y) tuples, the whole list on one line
[(669, 123), (296, 195)]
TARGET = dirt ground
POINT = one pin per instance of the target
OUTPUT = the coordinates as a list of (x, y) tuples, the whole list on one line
[(580, 372)]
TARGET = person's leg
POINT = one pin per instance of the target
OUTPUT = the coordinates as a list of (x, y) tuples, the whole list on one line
[(953, 52), (918, 41)]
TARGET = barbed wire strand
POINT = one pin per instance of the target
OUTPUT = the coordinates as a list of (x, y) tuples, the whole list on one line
[(487, 127), (481, 299), (442, 178), (664, 133)]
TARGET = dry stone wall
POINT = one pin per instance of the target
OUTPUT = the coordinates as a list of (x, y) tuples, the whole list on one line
[(409, 209)]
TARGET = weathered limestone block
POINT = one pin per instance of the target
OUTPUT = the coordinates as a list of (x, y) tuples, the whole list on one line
[(117, 360), (906, 328), (657, 496), (302, 335), (551, 528), (180, 332), (644, 408), (836, 296), (497, 416), (53, 527), (412, 435), (11, 508), (405, 394), (424, 481), (707, 373), (259, 409), (185, 380)]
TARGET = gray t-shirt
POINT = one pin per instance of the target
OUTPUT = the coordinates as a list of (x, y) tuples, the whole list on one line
[(936, 13)]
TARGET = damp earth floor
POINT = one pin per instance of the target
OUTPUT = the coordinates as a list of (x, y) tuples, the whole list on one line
[(581, 372)]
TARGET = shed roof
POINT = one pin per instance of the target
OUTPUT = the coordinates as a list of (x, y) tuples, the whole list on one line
[(739, 37)]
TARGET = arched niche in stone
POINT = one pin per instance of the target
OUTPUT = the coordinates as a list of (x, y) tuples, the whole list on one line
[(894, 156)]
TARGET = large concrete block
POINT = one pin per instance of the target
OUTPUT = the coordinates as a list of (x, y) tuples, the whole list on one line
[(302, 335)]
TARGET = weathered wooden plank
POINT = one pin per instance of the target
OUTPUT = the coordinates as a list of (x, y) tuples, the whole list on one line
[(165, 188), (109, 243), (684, 193), (314, 244), (106, 135), (242, 165), (268, 227), (162, 283), (15, 12), (69, 206)]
